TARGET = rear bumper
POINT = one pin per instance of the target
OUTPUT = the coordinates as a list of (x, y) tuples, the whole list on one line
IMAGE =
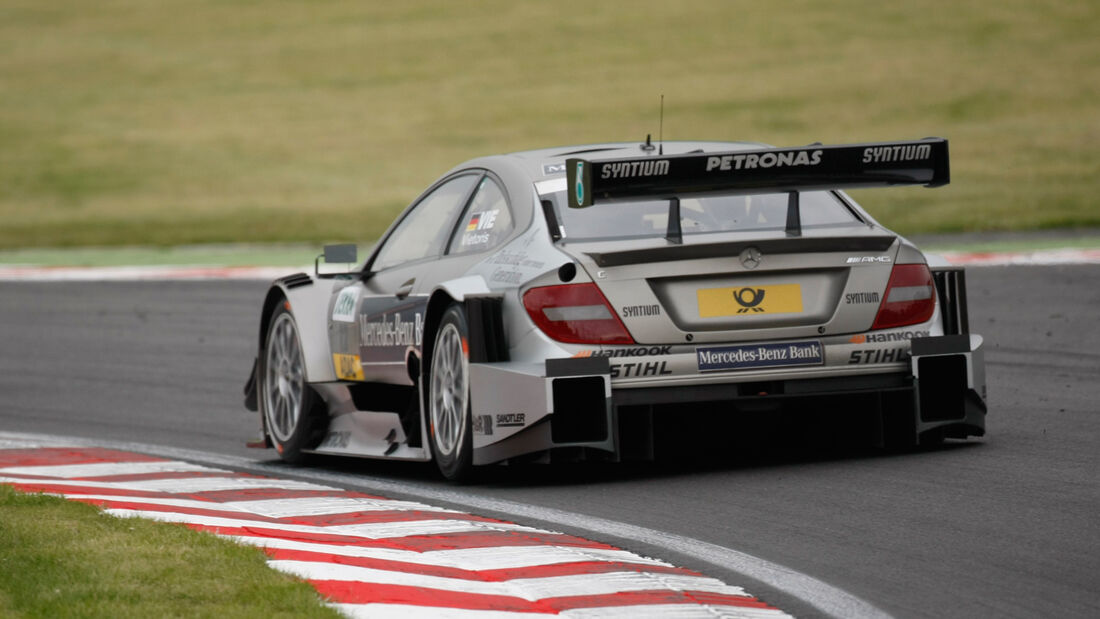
[(567, 407)]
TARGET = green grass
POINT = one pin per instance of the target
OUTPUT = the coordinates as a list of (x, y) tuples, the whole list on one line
[(64, 559), (209, 121)]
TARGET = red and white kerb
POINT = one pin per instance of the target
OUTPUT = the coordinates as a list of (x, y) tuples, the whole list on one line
[(369, 556)]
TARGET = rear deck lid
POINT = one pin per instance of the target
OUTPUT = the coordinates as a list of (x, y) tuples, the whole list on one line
[(741, 288), (745, 244)]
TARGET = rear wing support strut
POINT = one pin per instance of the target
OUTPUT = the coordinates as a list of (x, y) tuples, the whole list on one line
[(675, 234), (794, 215)]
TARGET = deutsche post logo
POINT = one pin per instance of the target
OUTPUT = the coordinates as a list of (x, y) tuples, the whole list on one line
[(348, 367), (750, 299), (764, 299)]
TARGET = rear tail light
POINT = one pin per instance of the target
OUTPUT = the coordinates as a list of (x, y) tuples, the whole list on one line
[(910, 297), (575, 314)]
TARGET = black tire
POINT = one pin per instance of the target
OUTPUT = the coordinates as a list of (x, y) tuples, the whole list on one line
[(448, 403), (292, 412)]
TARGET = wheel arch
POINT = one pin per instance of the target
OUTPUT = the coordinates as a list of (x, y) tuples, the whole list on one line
[(446, 293), (308, 302), (442, 296), (275, 295)]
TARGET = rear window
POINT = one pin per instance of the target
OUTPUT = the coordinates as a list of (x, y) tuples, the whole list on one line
[(698, 215)]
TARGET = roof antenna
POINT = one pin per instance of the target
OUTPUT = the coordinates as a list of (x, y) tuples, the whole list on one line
[(648, 146), (661, 128)]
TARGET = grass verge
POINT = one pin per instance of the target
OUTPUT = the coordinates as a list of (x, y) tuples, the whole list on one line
[(60, 558), (291, 256), (127, 122)]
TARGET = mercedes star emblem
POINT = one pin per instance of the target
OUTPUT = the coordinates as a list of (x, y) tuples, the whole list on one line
[(751, 257)]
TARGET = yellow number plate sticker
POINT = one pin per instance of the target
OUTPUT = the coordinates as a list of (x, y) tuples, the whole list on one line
[(750, 300), (347, 367)]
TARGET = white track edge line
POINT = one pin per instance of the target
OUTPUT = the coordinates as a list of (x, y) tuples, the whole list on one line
[(822, 596), (36, 273)]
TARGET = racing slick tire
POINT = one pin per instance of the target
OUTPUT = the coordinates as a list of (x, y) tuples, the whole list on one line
[(292, 411), (451, 435)]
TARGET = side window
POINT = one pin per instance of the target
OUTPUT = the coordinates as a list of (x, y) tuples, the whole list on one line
[(424, 230), (486, 223)]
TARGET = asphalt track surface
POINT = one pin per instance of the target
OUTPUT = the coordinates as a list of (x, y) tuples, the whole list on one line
[(1002, 526)]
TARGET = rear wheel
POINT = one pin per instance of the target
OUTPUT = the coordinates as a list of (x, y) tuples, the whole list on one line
[(291, 409), (449, 397)]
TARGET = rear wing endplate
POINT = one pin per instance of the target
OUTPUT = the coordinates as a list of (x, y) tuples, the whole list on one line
[(766, 170)]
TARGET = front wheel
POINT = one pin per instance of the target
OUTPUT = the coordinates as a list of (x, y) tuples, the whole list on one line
[(449, 397), (290, 407)]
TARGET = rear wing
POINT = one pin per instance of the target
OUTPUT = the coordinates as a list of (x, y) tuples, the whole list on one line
[(766, 170)]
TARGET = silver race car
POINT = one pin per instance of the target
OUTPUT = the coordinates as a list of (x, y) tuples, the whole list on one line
[(556, 304)]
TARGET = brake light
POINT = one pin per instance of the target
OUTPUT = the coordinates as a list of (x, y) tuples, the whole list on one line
[(575, 314), (910, 297)]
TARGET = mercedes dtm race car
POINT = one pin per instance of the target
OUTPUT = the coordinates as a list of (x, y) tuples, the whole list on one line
[(554, 303)]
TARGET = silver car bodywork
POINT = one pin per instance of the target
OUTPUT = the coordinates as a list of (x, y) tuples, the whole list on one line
[(769, 305)]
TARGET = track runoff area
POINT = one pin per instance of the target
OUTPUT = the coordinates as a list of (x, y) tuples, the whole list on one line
[(41, 273)]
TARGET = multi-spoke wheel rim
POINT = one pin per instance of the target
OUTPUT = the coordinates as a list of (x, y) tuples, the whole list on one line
[(284, 379), (448, 391)]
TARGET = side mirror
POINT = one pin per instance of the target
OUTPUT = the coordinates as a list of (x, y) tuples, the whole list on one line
[(346, 253)]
